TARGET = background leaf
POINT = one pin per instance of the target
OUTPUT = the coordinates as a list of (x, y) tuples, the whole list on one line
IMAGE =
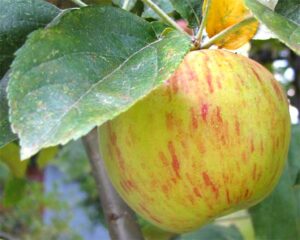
[(278, 216), (18, 18), (6, 134), (214, 232), (225, 13), (284, 29), (14, 190), (94, 64), (190, 10), (165, 5), (152, 232), (290, 9), (4, 172), (294, 154)]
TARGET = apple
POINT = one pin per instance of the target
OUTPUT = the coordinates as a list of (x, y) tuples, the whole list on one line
[(211, 140), (185, 26)]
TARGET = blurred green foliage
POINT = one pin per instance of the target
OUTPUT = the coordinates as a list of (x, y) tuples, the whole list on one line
[(24, 219)]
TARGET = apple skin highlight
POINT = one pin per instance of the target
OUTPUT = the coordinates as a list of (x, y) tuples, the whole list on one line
[(211, 140)]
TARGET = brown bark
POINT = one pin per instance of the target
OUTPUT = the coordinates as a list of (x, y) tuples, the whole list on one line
[(6, 236), (120, 219)]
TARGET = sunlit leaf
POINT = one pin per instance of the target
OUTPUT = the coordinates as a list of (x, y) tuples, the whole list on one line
[(94, 64), (285, 29), (226, 13)]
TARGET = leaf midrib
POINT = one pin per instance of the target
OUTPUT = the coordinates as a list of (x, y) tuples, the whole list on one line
[(89, 90)]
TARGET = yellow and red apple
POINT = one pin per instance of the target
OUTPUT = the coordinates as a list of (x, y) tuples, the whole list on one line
[(211, 140)]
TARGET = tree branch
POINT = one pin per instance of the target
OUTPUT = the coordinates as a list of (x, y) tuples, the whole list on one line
[(120, 218), (168, 20), (6, 236)]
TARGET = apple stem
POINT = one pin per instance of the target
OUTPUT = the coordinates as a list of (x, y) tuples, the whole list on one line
[(119, 217), (199, 35), (164, 16), (79, 3), (228, 31)]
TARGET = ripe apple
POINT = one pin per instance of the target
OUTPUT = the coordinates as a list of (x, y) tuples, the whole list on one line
[(210, 141), (185, 26)]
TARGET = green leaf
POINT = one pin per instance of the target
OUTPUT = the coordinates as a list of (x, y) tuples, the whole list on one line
[(103, 2), (73, 152), (277, 217), (289, 9), (190, 10), (153, 232), (94, 64), (160, 28), (4, 172), (73, 162), (283, 28), (165, 5), (294, 153), (121, 2), (19, 18), (6, 135), (214, 232), (14, 191), (10, 156), (294, 163)]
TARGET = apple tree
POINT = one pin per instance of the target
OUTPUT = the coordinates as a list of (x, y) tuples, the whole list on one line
[(176, 123)]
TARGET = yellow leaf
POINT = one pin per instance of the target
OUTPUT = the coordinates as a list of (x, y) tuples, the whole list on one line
[(226, 13)]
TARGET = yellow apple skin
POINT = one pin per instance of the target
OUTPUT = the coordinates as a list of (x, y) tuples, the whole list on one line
[(210, 141)]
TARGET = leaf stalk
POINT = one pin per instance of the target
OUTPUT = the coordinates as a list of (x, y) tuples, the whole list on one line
[(199, 35), (164, 16), (226, 32)]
